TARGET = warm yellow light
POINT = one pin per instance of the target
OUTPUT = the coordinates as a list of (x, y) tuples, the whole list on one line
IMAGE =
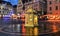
[(29, 25), (35, 31), (57, 17), (30, 19), (30, 16), (14, 16), (30, 9), (18, 14), (54, 28), (54, 16), (1, 7), (47, 16), (35, 18)]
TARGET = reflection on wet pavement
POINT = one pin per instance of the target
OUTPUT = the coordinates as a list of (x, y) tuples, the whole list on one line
[(19, 29)]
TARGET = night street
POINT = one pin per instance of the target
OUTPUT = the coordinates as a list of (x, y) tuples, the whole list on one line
[(29, 17), (9, 30)]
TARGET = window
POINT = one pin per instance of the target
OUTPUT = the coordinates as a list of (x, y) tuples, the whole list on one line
[(3, 12), (35, 5), (24, 1), (50, 8), (50, 2), (59, 0), (56, 8), (23, 7), (56, 1), (30, 0), (3, 8)]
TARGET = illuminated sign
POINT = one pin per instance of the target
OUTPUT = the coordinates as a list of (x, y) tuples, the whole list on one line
[(54, 17), (51, 17)]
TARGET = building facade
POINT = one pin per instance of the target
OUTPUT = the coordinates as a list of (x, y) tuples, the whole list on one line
[(15, 8), (36, 5), (5, 7), (53, 6)]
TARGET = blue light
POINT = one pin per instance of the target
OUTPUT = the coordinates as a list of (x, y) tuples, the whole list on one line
[(7, 17), (11, 12), (13, 2)]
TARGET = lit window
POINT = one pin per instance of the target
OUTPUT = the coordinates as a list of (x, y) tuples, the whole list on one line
[(30, 19), (1, 7)]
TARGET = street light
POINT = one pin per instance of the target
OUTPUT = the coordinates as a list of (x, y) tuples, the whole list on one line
[(12, 14), (18, 15)]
